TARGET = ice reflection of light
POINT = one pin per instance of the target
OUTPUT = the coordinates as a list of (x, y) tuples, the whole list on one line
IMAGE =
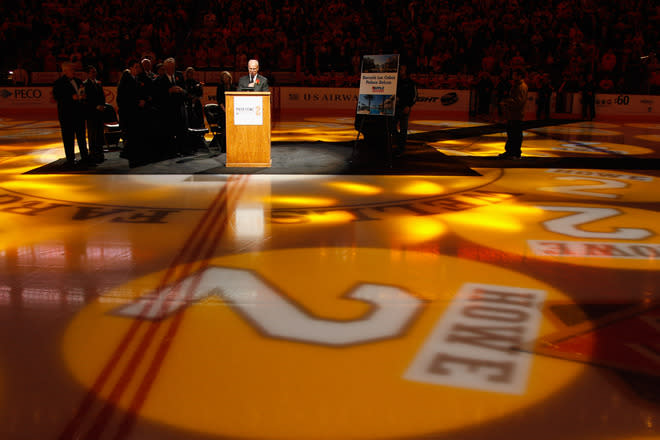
[(33, 185), (119, 295), (249, 212), (49, 156), (54, 146), (644, 125), (5, 295), (419, 229), (470, 148), (250, 222), (96, 256), (105, 256), (649, 137), (421, 187), (34, 296), (42, 255), (484, 149), (565, 130), (492, 220), (331, 217), (526, 134), (649, 422), (284, 132), (519, 210), (303, 201), (447, 124), (17, 166), (451, 152), (75, 296), (358, 188), (452, 142), (497, 145)]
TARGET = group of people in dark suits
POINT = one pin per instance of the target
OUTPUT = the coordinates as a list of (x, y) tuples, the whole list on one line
[(80, 103), (155, 110)]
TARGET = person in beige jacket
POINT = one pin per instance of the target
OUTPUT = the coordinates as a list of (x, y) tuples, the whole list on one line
[(514, 111)]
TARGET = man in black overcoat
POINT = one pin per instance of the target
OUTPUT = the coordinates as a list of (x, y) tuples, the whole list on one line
[(69, 93), (94, 108)]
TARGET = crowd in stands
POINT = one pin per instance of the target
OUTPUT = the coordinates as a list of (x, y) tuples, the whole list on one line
[(447, 44)]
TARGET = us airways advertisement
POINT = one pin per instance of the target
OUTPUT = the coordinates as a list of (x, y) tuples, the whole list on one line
[(377, 94)]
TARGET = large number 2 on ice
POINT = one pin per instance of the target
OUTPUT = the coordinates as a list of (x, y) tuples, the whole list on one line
[(568, 225), (270, 312), (579, 190)]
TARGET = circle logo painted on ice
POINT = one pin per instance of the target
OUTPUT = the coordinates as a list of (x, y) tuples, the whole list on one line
[(293, 343), (588, 235), (580, 184)]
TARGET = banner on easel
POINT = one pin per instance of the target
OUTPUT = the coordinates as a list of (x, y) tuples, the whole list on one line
[(377, 95)]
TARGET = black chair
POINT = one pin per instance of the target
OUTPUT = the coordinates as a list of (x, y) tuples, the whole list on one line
[(196, 138), (111, 129), (216, 121), (196, 129)]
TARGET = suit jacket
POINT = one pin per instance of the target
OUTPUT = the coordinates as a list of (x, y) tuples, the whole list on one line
[(147, 86), (514, 105), (260, 83), (94, 97), (406, 93), (164, 97), (220, 92), (127, 94), (171, 106), (63, 91)]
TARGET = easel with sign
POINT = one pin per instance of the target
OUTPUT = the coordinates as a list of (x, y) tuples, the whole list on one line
[(374, 115), (377, 132)]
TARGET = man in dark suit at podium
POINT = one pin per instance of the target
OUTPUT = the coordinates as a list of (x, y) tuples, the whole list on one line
[(253, 81)]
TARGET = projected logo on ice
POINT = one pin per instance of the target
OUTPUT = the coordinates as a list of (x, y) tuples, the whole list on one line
[(240, 337)]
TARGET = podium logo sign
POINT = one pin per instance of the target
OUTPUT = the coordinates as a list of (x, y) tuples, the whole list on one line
[(248, 110)]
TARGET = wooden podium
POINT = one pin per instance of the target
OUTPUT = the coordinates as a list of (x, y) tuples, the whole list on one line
[(248, 129)]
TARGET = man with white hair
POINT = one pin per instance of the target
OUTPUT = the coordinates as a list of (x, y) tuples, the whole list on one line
[(171, 101), (69, 93), (253, 81)]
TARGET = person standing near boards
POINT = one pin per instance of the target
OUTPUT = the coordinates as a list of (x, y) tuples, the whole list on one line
[(69, 93), (406, 97), (514, 111), (94, 108)]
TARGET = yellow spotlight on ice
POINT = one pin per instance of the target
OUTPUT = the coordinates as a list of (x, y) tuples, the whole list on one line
[(498, 221), (517, 210), (419, 229), (32, 185), (303, 201), (421, 188), (331, 217), (358, 188), (452, 142)]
